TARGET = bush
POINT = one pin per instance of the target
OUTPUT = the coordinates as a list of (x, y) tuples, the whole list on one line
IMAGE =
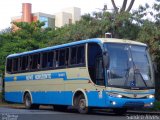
[(157, 105)]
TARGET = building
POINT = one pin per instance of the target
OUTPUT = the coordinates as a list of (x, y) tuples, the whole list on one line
[(67, 16)]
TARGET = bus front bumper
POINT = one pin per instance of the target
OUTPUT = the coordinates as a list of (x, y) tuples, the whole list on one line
[(114, 102)]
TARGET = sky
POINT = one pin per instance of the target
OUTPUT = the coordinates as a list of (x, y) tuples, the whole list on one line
[(11, 8)]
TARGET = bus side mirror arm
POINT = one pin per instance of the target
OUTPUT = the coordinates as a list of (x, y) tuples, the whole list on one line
[(105, 59)]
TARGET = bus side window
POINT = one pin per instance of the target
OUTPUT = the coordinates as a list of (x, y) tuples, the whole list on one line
[(9, 65), (67, 57), (44, 59), (15, 64), (23, 63), (35, 61), (99, 71), (73, 55), (80, 55), (57, 59), (94, 51), (50, 59), (62, 57)]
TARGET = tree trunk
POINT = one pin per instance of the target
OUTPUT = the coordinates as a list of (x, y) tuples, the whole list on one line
[(123, 6), (130, 6), (115, 7)]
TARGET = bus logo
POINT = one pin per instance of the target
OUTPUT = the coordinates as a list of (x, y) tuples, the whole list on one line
[(135, 95)]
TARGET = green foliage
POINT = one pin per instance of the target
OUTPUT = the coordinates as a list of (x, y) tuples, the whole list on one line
[(29, 36), (156, 106)]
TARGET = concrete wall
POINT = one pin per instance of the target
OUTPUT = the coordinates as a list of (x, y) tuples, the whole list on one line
[(75, 12), (62, 18)]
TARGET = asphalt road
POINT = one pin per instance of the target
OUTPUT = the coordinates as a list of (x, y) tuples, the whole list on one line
[(10, 113)]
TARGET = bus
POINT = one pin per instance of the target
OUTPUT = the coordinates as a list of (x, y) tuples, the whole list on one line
[(93, 73)]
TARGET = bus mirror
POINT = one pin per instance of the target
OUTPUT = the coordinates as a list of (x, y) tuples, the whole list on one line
[(106, 59)]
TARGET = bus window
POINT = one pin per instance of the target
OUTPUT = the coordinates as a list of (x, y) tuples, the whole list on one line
[(99, 71), (80, 55), (44, 60), (67, 57), (57, 59), (9, 65), (94, 61), (35, 61), (15, 65), (73, 55), (23, 63), (50, 59), (62, 57)]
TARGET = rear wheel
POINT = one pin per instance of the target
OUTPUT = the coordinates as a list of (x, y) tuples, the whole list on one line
[(82, 108), (28, 102)]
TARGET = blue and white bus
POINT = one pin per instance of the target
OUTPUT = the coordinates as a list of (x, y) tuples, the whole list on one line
[(94, 73)]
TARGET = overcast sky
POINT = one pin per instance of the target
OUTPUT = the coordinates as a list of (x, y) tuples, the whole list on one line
[(11, 8)]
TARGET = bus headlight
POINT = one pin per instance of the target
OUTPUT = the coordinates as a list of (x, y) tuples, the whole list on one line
[(115, 95), (113, 102), (150, 96)]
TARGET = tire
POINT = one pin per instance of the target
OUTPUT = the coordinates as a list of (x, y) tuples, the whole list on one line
[(81, 106), (27, 101), (120, 111)]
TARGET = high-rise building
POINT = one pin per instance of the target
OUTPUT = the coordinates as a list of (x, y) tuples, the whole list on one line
[(67, 16)]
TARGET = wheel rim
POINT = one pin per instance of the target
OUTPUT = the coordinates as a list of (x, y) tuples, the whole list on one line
[(28, 101), (82, 105)]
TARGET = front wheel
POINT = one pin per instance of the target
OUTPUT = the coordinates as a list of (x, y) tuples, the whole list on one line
[(82, 108)]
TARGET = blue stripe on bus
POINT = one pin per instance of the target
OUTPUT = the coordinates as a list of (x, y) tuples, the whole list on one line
[(65, 98), (42, 76)]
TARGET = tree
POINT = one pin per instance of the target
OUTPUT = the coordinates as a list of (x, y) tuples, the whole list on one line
[(124, 5), (150, 34), (29, 36)]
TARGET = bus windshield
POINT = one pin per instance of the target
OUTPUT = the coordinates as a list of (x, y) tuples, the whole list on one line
[(130, 66)]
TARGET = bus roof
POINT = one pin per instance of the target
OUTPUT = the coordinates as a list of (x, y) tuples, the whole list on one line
[(96, 40)]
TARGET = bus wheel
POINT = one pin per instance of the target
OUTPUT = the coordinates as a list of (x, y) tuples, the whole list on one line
[(82, 105), (27, 101), (120, 111)]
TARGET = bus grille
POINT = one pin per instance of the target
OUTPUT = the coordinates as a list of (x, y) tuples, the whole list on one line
[(134, 104)]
